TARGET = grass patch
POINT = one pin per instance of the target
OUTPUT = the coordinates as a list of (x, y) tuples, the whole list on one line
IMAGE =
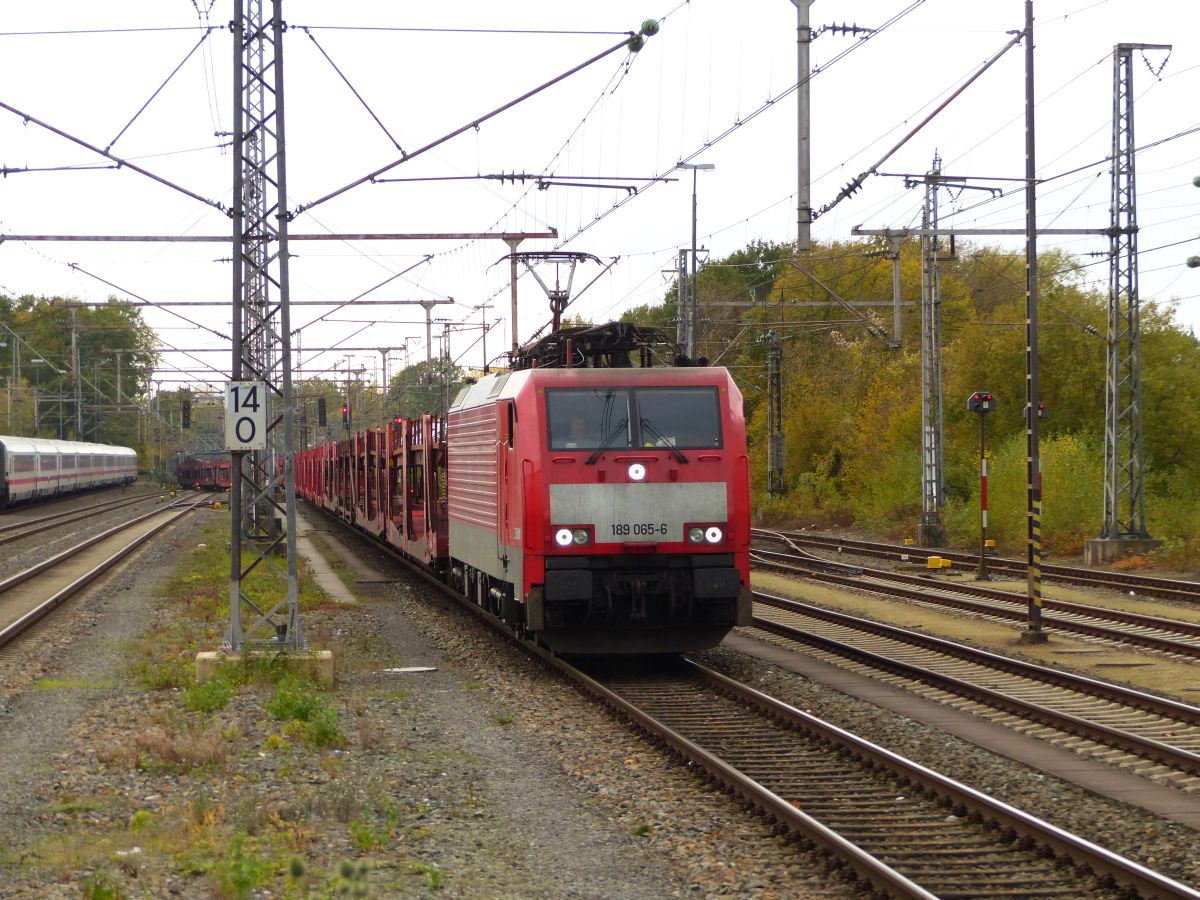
[(71, 805), (433, 875), (164, 657), (201, 584), (209, 696), (163, 748), (242, 869), (102, 885), (352, 879), (72, 684), (298, 700)]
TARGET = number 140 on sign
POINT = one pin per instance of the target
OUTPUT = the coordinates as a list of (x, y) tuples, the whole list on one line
[(245, 415)]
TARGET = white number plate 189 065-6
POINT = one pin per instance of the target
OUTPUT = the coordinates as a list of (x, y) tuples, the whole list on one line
[(634, 513)]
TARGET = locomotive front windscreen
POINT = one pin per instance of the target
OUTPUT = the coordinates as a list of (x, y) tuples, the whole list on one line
[(616, 418), (584, 419), (678, 417)]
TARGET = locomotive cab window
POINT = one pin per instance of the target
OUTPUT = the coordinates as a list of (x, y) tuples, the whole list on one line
[(586, 419), (679, 417)]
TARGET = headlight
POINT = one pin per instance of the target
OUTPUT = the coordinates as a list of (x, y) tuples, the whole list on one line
[(636, 472), (581, 536), (695, 534), (563, 537), (713, 534)]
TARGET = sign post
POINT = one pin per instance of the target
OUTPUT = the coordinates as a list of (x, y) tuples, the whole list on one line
[(245, 415)]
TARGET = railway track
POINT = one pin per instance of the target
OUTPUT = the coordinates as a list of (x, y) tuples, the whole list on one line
[(1147, 585), (901, 827), (904, 829), (1176, 638), (24, 528), (1152, 736), (31, 594)]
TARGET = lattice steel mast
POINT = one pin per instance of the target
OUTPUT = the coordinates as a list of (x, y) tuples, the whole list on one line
[(931, 530), (1124, 477), (261, 333)]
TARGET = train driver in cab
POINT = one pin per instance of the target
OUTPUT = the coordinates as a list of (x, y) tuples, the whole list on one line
[(579, 436)]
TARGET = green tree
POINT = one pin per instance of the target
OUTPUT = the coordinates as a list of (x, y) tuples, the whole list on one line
[(423, 388), (114, 345)]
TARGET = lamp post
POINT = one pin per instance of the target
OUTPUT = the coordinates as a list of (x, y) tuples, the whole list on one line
[(688, 311)]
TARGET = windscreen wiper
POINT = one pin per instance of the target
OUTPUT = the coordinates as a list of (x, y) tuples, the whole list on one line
[(663, 440), (611, 436)]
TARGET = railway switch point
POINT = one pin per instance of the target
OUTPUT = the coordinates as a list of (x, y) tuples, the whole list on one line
[(316, 664)]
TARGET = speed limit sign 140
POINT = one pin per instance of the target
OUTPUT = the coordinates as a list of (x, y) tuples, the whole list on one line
[(245, 415)]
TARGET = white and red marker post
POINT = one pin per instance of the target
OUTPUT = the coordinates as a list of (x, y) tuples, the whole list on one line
[(982, 402)]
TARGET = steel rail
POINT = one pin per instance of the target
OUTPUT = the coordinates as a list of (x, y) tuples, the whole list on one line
[(922, 589), (1125, 617), (1154, 585), (16, 627), (1146, 882), (53, 520), (1147, 748)]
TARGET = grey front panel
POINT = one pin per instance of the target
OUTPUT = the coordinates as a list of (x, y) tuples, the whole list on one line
[(477, 547), (638, 513)]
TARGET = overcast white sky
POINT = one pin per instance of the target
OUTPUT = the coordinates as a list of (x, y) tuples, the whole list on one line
[(713, 64)]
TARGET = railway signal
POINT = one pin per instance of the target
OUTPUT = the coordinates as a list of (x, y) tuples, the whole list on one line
[(346, 415), (185, 412), (982, 403), (321, 411)]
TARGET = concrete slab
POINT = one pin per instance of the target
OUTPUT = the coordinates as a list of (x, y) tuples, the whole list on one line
[(323, 573), (1101, 551)]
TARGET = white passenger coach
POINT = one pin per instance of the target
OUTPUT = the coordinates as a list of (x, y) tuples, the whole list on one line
[(38, 468)]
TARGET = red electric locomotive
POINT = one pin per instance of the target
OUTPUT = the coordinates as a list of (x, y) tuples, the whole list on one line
[(601, 509)]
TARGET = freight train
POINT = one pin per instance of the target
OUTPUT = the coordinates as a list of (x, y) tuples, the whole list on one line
[(204, 471), (597, 506), (40, 468)]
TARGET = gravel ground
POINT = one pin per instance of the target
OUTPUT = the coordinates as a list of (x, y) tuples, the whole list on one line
[(485, 778)]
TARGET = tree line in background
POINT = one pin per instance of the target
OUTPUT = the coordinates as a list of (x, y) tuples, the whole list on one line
[(112, 401), (89, 393), (852, 406)]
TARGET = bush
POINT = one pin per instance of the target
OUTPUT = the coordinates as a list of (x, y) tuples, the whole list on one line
[(241, 870), (298, 700), (1072, 495), (208, 696)]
